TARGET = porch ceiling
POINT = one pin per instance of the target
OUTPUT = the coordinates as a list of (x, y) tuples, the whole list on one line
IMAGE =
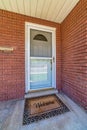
[(52, 10)]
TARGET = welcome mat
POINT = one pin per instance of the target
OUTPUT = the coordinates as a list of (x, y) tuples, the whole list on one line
[(42, 107)]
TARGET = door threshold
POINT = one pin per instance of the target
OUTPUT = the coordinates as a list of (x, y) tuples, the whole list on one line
[(41, 92)]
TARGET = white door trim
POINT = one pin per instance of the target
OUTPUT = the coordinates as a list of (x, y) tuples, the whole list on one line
[(29, 26)]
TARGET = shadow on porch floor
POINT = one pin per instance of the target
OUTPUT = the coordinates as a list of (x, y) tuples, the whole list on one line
[(11, 116)]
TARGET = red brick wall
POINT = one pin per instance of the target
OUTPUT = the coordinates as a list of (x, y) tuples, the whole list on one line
[(74, 54), (12, 65)]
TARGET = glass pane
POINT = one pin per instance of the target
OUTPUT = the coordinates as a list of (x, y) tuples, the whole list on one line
[(41, 73), (40, 43), (38, 71)]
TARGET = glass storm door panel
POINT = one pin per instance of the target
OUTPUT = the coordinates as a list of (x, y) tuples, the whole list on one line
[(40, 76), (40, 59)]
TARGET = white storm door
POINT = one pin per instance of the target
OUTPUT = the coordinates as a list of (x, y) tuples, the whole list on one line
[(40, 59)]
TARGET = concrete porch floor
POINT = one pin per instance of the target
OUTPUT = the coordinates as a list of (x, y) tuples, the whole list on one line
[(11, 116)]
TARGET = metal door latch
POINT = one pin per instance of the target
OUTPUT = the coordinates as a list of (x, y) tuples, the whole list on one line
[(53, 59)]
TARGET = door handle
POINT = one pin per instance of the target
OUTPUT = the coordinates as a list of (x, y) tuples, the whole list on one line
[(53, 59)]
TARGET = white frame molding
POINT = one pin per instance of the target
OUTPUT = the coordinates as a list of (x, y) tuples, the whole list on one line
[(29, 26)]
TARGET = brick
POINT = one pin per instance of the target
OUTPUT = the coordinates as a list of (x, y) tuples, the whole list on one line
[(12, 66), (74, 53)]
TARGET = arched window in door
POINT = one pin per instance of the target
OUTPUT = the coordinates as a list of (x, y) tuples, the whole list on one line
[(40, 37)]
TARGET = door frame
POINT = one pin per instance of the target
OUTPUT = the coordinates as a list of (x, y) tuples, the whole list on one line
[(29, 26)]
